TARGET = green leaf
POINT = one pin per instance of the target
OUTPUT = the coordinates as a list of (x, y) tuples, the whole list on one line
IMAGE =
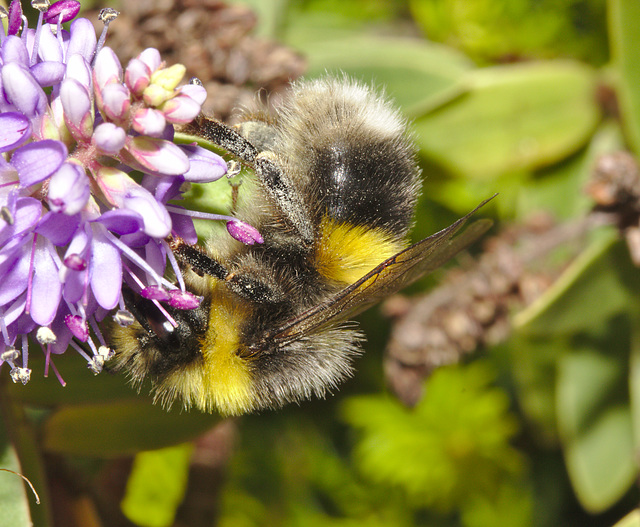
[(120, 428), (513, 118), (595, 429), (623, 19), (156, 486), (417, 75)]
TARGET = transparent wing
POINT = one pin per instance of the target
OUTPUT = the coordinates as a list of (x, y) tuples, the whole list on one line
[(385, 279)]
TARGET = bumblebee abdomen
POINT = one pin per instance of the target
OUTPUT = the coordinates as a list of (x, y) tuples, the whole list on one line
[(346, 252)]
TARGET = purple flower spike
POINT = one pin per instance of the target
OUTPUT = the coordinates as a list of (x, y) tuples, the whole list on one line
[(68, 189), (243, 232), (78, 327), (155, 292), (15, 129), (183, 299), (67, 8)]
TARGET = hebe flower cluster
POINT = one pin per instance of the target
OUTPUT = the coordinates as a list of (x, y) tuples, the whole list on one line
[(74, 224)]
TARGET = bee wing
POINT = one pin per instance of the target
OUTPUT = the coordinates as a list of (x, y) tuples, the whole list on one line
[(388, 277)]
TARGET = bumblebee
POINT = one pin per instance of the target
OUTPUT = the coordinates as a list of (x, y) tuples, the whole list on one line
[(336, 185)]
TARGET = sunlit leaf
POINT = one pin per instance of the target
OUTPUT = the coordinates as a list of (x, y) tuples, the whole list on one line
[(417, 75), (513, 118)]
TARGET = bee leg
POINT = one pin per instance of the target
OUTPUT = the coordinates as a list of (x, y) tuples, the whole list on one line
[(267, 168), (243, 285)]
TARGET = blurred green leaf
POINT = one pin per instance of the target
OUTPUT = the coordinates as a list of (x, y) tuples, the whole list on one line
[(120, 428), (512, 118), (630, 520), (623, 19), (14, 494), (418, 75), (156, 485), (82, 385), (495, 29), (634, 382), (596, 431)]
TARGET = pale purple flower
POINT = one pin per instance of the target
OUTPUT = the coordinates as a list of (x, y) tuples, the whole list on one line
[(75, 126)]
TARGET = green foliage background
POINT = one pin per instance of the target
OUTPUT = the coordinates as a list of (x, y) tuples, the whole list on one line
[(542, 430)]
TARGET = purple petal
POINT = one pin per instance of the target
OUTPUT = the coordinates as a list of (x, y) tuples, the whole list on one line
[(15, 129), (155, 255), (25, 217), (204, 166), (183, 227), (80, 70), (158, 155), (162, 187), (137, 76), (35, 162), (243, 232), (115, 101), (195, 92), (181, 109), (77, 104), (83, 39), (65, 8), (109, 138), (157, 222), (58, 228), (151, 58), (106, 271), (47, 289), (23, 91), (107, 68), (14, 50), (68, 189), (121, 221), (14, 279), (15, 17), (48, 73), (49, 48)]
